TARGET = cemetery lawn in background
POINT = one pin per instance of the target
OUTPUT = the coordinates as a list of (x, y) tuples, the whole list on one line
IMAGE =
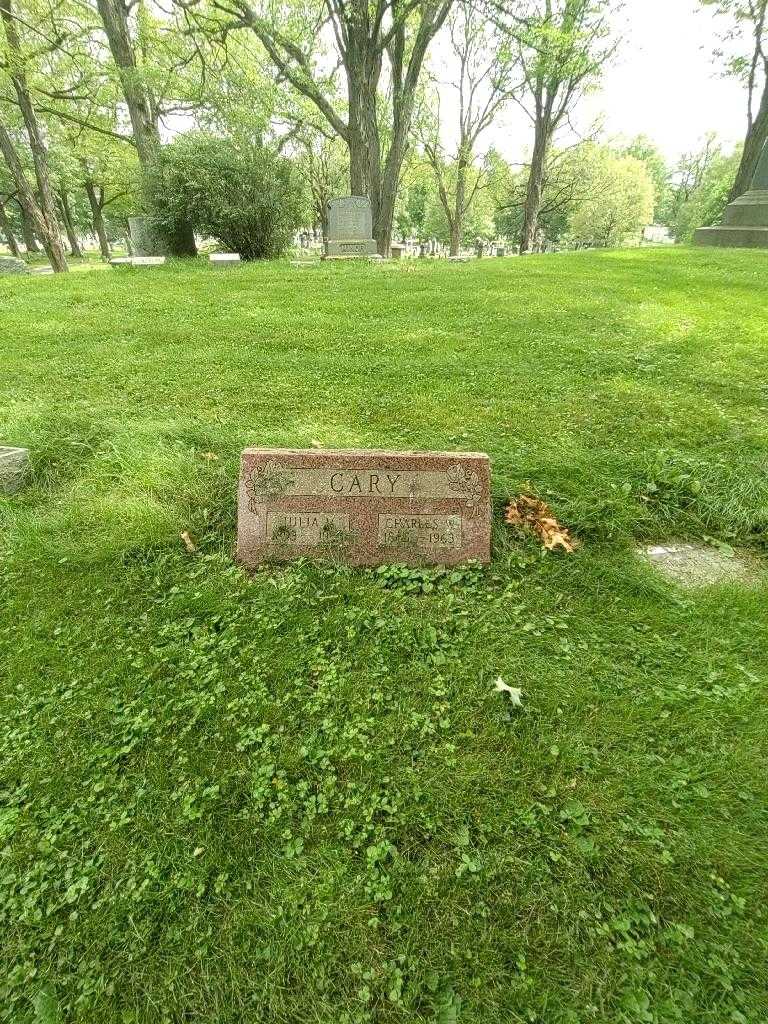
[(297, 796)]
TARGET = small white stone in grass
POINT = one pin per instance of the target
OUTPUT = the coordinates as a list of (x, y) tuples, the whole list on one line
[(515, 695)]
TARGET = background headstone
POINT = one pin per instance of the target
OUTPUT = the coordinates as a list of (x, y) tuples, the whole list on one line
[(224, 259), (145, 239), (364, 507), (350, 228)]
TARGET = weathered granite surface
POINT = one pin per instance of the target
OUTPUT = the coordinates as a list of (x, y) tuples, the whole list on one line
[(122, 262), (697, 565), (745, 222), (10, 265), (335, 249), (350, 228), (145, 238), (225, 259), (760, 180), (364, 507), (14, 465)]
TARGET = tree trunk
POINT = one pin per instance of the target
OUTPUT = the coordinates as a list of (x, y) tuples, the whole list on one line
[(372, 173), (98, 220), (5, 226), (27, 231), (69, 227), (26, 198), (49, 227), (756, 138), (358, 161), (142, 111), (363, 136), (457, 221), (532, 207), (146, 136)]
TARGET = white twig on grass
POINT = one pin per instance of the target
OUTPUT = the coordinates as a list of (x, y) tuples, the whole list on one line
[(515, 695)]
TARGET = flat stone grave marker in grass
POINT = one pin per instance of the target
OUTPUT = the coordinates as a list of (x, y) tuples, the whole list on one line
[(224, 259), (699, 565), (364, 507), (14, 464), (350, 228), (148, 261)]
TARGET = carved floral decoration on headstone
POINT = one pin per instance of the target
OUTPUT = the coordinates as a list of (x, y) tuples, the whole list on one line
[(466, 482), (268, 481)]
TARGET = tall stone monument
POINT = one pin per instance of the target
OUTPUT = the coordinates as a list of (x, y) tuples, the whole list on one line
[(350, 228), (745, 224)]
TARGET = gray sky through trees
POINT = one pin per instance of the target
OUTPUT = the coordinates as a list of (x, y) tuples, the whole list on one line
[(664, 83)]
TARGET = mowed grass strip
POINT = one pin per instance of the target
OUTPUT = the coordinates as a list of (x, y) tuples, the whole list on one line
[(296, 797)]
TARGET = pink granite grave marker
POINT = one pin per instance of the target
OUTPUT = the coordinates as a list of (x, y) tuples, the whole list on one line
[(364, 507)]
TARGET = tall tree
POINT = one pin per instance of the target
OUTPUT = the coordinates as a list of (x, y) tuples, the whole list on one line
[(26, 198), (108, 177), (43, 210), (323, 166), (564, 187), (563, 45), (643, 148), (746, 58), (6, 227), (142, 108), (691, 171), (120, 22), (482, 72), (70, 227), (617, 199), (378, 45)]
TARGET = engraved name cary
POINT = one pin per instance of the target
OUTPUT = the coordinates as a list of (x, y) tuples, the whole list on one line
[(364, 483)]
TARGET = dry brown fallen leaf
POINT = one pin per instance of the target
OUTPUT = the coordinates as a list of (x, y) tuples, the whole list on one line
[(189, 544), (529, 513), (209, 456)]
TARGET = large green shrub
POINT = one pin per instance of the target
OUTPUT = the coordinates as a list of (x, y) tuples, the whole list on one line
[(241, 193)]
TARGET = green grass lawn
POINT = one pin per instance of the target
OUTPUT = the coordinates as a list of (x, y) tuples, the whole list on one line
[(296, 798)]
